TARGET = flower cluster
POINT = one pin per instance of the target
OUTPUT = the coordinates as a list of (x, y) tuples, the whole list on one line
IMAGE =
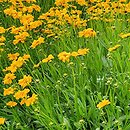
[(64, 56), (87, 33)]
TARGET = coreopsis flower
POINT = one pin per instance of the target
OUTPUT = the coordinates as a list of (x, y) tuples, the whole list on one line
[(64, 56), (81, 2), (2, 30), (16, 64), (36, 7), (122, 0), (114, 48), (11, 103), (25, 81), (74, 54), (31, 100), (87, 33), (29, 1), (21, 37), (21, 94), (2, 120), (37, 42), (61, 2), (124, 35), (2, 39), (20, 61), (18, 30), (9, 91), (103, 103), (23, 101), (8, 78), (26, 19), (34, 24), (13, 56), (83, 51), (26, 57), (12, 68), (48, 59)]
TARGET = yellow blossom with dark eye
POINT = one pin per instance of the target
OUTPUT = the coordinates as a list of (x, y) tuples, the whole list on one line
[(13, 56), (103, 103), (83, 51), (8, 78), (8, 91), (11, 103), (2, 120), (114, 48), (2, 30), (21, 94), (25, 81), (87, 33)]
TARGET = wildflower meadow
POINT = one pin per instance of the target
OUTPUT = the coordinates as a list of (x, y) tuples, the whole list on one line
[(64, 65)]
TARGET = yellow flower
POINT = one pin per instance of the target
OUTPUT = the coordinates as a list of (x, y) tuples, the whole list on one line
[(21, 37), (26, 57), (87, 33), (81, 2), (2, 121), (25, 81), (8, 91), (48, 59), (13, 56), (83, 51), (74, 53), (103, 103), (11, 103), (37, 42), (64, 56), (8, 78), (23, 101), (36, 7), (124, 35), (2, 39), (31, 100), (114, 48), (21, 94), (26, 19), (34, 24), (2, 30)]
